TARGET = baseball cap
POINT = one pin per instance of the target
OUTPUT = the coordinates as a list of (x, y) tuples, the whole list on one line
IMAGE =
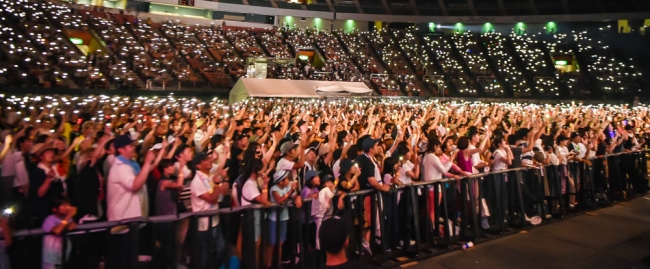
[(368, 143), (574, 135), (122, 141), (287, 146), (561, 138), (200, 157), (333, 233)]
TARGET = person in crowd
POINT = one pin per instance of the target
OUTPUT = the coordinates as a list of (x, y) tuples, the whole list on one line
[(283, 190), (206, 192), (334, 236), (61, 220), (45, 183)]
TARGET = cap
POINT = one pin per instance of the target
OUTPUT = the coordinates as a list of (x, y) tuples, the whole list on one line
[(279, 175), (629, 127), (287, 146), (309, 175), (200, 157), (333, 233), (122, 141), (326, 177), (310, 149), (368, 143), (574, 135), (200, 122), (345, 166)]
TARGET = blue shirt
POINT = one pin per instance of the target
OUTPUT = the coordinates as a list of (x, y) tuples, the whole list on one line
[(284, 212)]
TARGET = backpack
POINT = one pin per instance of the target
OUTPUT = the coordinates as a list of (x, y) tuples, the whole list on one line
[(239, 185)]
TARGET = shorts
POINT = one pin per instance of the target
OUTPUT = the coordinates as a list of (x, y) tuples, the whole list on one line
[(273, 231)]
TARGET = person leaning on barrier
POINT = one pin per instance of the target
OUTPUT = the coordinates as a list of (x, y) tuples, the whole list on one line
[(334, 236)]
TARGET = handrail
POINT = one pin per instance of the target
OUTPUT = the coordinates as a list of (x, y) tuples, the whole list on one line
[(87, 227)]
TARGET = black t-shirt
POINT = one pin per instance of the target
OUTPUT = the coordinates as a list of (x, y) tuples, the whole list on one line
[(367, 171), (349, 265)]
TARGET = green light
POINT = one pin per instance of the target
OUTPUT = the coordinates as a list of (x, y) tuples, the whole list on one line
[(318, 23), (303, 57), (288, 20), (520, 28), (551, 27), (432, 27), (488, 27), (76, 41), (459, 27), (561, 62), (349, 26)]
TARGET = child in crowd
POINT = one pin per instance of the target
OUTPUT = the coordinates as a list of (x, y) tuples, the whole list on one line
[(55, 224), (282, 190), (324, 203), (310, 191)]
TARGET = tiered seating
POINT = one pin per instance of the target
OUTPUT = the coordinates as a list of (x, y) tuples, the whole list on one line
[(533, 57), (164, 56), (299, 39), (559, 46), (612, 75), (223, 53), (244, 43), (129, 60), (506, 64), (339, 64), (390, 54), (272, 42), (450, 65)]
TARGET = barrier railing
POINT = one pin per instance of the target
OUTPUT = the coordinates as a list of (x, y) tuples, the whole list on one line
[(407, 220)]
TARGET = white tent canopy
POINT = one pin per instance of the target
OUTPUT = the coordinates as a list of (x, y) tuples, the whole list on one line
[(281, 88)]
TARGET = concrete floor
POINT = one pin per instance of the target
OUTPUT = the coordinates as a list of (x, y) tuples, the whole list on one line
[(614, 237)]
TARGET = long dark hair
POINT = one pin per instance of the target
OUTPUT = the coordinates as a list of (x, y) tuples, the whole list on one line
[(252, 167), (389, 163)]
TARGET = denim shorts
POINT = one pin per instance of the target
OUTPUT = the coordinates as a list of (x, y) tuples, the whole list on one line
[(273, 231)]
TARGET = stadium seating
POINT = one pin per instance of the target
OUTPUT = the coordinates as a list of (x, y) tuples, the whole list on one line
[(36, 50)]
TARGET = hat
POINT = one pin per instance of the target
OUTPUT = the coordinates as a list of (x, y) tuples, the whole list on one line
[(122, 141), (333, 232), (279, 175), (200, 122), (574, 135), (200, 157), (309, 175), (368, 143), (157, 146), (345, 166), (326, 177), (287, 146), (561, 138), (310, 149)]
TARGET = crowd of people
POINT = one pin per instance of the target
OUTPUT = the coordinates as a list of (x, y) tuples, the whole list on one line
[(71, 159), (141, 53)]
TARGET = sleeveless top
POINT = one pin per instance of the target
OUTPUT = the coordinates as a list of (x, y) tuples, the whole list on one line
[(464, 164)]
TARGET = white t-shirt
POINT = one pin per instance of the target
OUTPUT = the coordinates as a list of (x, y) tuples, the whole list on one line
[(407, 166), (336, 168), (198, 139), (9, 163), (249, 192), (554, 159), (498, 165), (284, 164), (433, 168), (563, 154), (122, 202), (202, 184), (324, 200), (581, 150), (476, 159)]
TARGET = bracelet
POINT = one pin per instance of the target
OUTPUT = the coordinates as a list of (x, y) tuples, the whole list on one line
[(265, 190), (64, 222)]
